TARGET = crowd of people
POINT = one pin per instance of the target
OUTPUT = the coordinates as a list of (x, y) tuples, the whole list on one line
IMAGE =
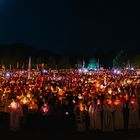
[(101, 100)]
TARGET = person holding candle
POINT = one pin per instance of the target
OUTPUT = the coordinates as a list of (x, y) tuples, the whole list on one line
[(80, 112), (97, 116), (133, 121), (16, 114), (108, 109), (118, 114), (91, 112)]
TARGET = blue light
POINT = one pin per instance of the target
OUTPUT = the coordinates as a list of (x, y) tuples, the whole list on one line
[(44, 70), (7, 74), (118, 72), (85, 70)]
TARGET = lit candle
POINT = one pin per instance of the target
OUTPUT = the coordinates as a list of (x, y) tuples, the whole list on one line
[(132, 102), (45, 109), (116, 103), (98, 102), (81, 107), (13, 105), (66, 113), (109, 91), (25, 100)]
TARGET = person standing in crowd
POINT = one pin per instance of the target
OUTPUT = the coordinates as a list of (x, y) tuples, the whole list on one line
[(137, 92), (98, 109), (118, 114), (67, 115), (46, 112), (91, 111), (126, 109), (16, 115), (80, 112), (108, 109), (134, 121)]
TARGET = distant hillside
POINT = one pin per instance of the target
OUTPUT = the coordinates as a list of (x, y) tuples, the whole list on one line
[(13, 53), (20, 52)]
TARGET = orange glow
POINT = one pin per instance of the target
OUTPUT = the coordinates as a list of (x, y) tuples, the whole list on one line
[(109, 102), (97, 84), (81, 107), (33, 106), (116, 103), (109, 91), (13, 105), (25, 100)]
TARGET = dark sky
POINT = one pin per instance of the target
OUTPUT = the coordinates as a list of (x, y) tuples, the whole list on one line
[(71, 25)]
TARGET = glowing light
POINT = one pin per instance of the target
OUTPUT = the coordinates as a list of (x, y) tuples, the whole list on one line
[(129, 81), (116, 102), (13, 105), (102, 86), (109, 91), (98, 102), (7, 74), (118, 72), (80, 97), (33, 106), (44, 71), (115, 71), (119, 90), (73, 101), (25, 100), (85, 70), (132, 102), (45, 109), (80, 70), (66, 113), (109, 102), (81, 107)]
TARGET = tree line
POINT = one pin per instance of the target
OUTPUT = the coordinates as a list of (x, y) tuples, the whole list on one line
[(17, 57)]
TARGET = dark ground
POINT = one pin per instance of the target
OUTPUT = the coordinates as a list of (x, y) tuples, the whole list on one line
[(36, 131)]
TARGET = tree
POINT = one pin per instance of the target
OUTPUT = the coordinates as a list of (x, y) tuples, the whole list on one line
[(121, 60), (92, 64), (135, 61)]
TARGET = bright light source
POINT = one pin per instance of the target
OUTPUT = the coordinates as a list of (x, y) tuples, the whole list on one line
[(80, 70), (44, 70), (7, 74), (85, 70), (118, 72), (132, 68), (115, 71)]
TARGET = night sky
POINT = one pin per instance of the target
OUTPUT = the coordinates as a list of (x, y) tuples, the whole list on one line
[(71, 25)]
